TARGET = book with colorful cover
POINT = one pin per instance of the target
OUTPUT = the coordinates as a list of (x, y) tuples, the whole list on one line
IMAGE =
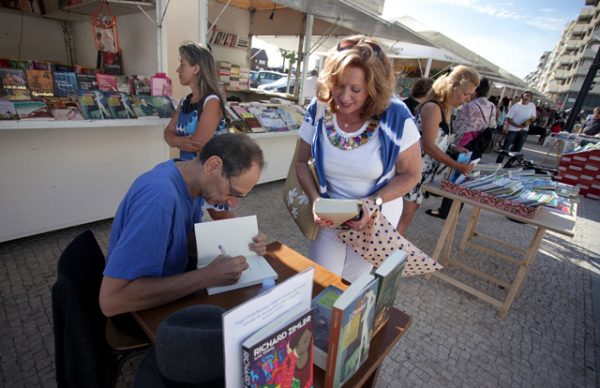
[(20, 64), (86, 82), (322, 305), (14, 85), (141, 85), (143, 107), (61, 67), (7, 110), (120, 105), (268, 118), (32, 110), (163, 106), (41, 65), (65, 84), (63, 108), (281, 353), (93, 105), (351, 330), (106, 82), (40, 82), (110, 62), (389, 274)]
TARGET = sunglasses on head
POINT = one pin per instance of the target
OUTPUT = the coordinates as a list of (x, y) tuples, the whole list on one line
[(348, 44)]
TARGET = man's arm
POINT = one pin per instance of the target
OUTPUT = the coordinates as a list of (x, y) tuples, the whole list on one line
[(119, 296)]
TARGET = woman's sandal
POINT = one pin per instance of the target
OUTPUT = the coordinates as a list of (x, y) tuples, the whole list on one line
[(436, 214)]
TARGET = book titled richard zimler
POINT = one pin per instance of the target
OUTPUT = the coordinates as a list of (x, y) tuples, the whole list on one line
[(281, 353)]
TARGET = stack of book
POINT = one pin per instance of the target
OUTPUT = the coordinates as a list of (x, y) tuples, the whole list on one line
[(266, 117), (48, 91), (224, 72), (582, 169)]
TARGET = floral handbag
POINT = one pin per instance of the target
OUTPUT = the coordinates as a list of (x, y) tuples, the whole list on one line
[(379, 239)]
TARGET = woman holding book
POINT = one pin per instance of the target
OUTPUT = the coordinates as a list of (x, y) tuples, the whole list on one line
[(200, 115), (433, 119), (364, 143)]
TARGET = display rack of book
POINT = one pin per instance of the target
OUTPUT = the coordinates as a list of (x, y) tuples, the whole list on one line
[(262, 117), (582, 169), (522, 195)]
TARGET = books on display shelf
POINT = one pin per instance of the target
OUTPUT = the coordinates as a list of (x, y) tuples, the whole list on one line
[(106, 82), (110, 62), (161, 85), (163, 106), (351, 330), (248, 118), (63, 108), (93, 105), (143, 107), (14, 85), (389, 274), (268, 117), (7, 110), (141, 84), (281, 353), (40, 82), (120, 105), (292, 115), (322, 305), (86, 82), (337, 210), (19, 64), (32, 110), (65, 84), (231, 237), (124, 84)]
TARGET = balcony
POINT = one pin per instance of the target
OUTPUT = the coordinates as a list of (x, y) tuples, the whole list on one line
[(590, 53), (561, 74), (580, 29), (572, 44), (566, 59), (582, 70), (586, 14)]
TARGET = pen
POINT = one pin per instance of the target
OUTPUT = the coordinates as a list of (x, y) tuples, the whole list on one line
[(222, 250)]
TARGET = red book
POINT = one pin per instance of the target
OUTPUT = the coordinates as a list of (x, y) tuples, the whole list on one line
[(107, 82)]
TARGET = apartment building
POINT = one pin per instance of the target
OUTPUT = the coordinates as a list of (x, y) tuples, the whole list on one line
[(560, 73)]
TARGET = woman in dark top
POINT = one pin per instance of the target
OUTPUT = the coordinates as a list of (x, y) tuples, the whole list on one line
[(419, 91)]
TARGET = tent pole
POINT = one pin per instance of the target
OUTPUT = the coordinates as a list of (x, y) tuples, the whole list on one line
[(305, 55), (203, 17)]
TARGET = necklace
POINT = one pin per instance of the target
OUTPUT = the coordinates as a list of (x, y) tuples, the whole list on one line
[(348, 143)]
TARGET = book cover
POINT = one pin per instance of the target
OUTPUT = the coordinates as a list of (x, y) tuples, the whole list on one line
[(119, 105), (351, 330), (14, 86), (243, 320), (268, 118), (87, 82), (20, 64), (65, 84), (281, 353), (322, 305), (106, 82), (63, 108), (337, 210), (161, 85), (110, 62), (40, 82), (32, 110), (389, 274), (163, 106), (124, 85), (462, 158), (7, 110), (61, 67), (143, 107), (93, 105), (41, 65), (141, 85), (232, 236)]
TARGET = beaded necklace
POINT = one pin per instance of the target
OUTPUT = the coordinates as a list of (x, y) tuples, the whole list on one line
[(348, 143)]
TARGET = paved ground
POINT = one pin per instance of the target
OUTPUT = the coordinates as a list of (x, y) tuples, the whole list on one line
[(547, 340)]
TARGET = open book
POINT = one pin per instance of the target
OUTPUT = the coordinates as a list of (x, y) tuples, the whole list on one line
[(337, 210), (233, 236)]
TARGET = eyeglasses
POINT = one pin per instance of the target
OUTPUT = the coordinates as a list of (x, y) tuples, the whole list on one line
[(348, 44), (233, 193)]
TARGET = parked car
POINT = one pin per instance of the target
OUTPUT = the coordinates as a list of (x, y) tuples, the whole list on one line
[(279, 85), (264, 77)]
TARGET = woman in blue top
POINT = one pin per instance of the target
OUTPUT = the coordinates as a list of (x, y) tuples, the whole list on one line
[(200, 115)]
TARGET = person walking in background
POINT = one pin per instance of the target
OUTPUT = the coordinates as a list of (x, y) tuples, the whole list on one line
[(418, 92), (502, 112), (366, 144), (310, 86), (474, 117), (591, 127), (200, 114), (448, 92), (518, 119)]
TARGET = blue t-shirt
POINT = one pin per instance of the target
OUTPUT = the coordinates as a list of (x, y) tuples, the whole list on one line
[(149, 235)]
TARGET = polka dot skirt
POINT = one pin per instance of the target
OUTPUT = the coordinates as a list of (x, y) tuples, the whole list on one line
[(379, 239)]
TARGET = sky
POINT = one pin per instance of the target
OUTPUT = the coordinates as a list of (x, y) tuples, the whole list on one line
[(511, 34)]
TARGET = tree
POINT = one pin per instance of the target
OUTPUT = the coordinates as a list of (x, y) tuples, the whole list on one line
[(290, 55)]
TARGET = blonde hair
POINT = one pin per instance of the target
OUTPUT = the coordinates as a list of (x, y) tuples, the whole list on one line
[(366, 54), (458, 77)]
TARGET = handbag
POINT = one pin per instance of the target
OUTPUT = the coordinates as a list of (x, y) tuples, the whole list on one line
[(379, 239), (479, 144), (297, 202)]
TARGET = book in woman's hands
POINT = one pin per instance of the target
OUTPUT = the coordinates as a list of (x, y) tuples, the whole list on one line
[(337, 210)]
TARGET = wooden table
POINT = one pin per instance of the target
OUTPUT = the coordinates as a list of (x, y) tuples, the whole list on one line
[(287, 262), (545, 220)]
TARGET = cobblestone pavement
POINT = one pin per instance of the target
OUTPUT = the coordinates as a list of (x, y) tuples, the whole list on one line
[(547, 340)]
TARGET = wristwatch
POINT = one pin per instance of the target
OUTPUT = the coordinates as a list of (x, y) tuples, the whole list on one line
[(378, 201)]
